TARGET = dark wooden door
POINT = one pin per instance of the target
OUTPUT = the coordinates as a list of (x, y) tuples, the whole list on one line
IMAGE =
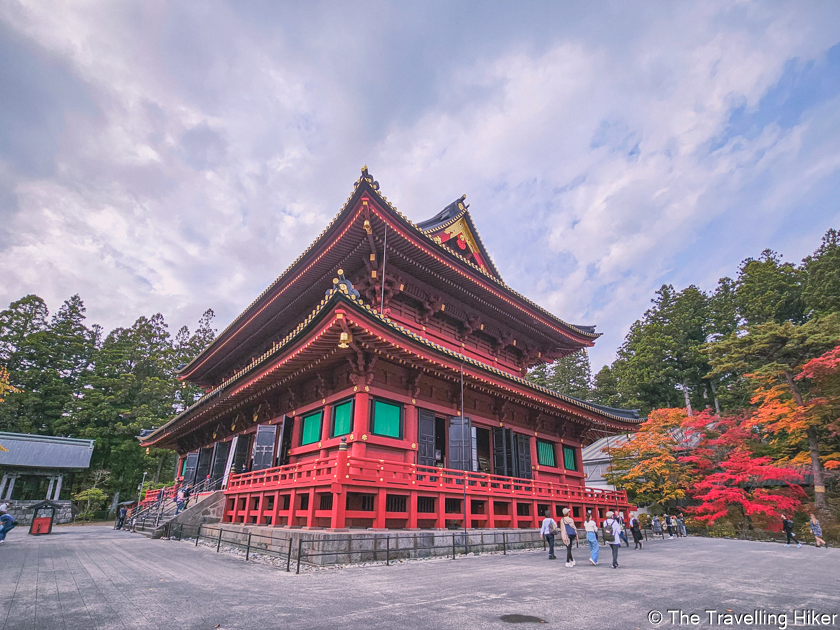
[(285, 444), (189, 468), (523, 456), (240, 456), (460, 443), (220, 457), (503, 452), (202, 469), (426, 437), (264, 446)]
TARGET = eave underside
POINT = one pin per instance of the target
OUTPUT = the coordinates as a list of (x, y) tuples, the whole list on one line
[(314, 349)]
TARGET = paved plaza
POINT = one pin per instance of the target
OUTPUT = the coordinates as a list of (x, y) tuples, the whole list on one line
[(94, 577)]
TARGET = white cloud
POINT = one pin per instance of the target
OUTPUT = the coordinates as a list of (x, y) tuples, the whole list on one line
[(224, 141)]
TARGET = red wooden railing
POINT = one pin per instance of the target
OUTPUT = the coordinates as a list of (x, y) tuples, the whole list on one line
[(377, 473)]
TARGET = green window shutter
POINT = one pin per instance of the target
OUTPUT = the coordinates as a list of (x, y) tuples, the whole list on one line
[(342, 418), (545, 453), (569, 459), (386, 419), (311, 430)]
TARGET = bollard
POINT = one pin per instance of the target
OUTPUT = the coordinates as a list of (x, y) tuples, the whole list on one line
[(219, 544), (248, 549), (289, 555), (388, 551), (504, 543), (300, 546)]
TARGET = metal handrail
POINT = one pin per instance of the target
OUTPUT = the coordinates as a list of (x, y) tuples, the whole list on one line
[(163, 506)]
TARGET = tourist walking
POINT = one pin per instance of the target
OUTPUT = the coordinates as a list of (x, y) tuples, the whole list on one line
[(669, 525), (548, 530), (179, 500), (612, 530), (620, 520), (187, 494), (636, 530), (568, 531), (816, 530), (7, 524), (681, 526), (657, 525), (121, 514), (592, 538), (787, 526)]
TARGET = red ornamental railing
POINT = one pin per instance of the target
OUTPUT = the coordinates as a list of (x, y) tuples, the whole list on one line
[(152, 496), (377, 473)]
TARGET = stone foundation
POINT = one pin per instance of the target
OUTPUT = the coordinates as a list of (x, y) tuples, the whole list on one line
[(323, 548), (23, 515)]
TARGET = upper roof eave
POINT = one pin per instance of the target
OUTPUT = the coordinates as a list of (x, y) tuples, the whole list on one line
[(366, 183)]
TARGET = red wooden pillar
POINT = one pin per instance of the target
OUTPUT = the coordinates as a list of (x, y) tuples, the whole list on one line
[(339, 505), (275, 516), (261, 508), (326, 429), (412, 510), (491, 515), (410, 433), (441, 517), (290, 520), (361, 416), (295, 433), (310, 513), (379, 519)]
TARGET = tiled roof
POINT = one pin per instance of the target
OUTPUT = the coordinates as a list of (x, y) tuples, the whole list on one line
[(334, 295)]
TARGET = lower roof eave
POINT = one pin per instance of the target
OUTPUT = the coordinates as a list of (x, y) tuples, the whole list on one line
[(325, 320)]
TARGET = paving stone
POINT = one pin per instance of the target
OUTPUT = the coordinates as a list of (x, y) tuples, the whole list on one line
[(95, 577)]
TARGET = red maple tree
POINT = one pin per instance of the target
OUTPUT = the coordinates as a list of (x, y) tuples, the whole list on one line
[(731, 482)]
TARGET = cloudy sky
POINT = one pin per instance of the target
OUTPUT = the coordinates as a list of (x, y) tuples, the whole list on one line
[(177, 156)]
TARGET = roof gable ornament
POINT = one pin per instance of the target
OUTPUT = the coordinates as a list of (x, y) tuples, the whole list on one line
[(344, 285), (454, 228)]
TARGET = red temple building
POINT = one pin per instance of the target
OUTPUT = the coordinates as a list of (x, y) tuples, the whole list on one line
[(379, 382)]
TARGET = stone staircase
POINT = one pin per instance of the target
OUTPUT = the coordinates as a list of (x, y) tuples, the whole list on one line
[(155, 521)]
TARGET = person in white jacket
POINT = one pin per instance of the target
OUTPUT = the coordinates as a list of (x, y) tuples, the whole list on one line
[(615, 527)]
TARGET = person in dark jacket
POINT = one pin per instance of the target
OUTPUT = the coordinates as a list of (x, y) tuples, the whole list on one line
[(636, 530), (121, 516), (787, 526)]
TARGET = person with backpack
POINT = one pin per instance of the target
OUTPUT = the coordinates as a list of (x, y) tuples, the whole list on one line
[(612, 536), (657, 525), (568, 531), (187, 495), (7, 524), (669, 525), (592, 538), (548, 531), (787, 525), (636, 530)]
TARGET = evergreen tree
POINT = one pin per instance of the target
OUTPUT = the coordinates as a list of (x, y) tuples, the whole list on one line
[(822, 277), (570, 375), (768, 290)]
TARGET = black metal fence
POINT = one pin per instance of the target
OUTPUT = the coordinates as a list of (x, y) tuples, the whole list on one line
[(255, 543), (332, 550)]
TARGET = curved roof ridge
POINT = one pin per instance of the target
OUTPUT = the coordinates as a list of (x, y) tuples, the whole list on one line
[(373, 186)]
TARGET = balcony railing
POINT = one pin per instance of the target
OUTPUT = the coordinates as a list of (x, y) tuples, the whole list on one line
[(377, 473)]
